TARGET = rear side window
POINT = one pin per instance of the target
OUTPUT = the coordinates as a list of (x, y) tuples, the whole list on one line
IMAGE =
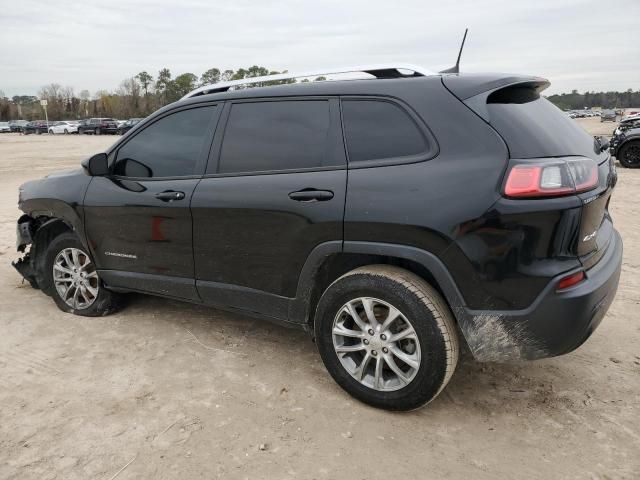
[(378, 129), (281, 135), (534, 127), (170, 147)]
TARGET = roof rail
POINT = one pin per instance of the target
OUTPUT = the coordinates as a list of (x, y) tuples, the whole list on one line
[(378, 71)]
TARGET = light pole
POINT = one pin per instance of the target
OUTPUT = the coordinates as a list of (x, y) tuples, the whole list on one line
[(46, 117)]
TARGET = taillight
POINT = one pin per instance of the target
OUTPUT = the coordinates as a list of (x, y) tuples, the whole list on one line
[(551, 178)]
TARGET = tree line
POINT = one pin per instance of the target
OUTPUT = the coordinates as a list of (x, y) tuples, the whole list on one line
[(137, 96), (607, 100), (142, 94)]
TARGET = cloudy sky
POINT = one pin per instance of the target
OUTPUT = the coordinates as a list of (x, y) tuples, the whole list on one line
[(581, 44)]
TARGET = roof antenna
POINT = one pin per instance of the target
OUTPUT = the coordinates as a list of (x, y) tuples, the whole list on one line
[(456, 67)]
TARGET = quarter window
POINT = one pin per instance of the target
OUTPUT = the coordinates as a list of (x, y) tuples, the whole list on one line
[(377, 129), (169, 147), (277, 135)]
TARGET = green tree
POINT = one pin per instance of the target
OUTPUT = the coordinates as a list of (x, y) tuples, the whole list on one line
[(182, 85), (145, 80), (210, 77)]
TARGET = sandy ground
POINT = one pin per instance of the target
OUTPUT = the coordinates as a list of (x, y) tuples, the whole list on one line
[(171, 390)]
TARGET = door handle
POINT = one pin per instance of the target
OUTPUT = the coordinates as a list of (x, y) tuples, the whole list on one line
[(311, 195), (169, 196)]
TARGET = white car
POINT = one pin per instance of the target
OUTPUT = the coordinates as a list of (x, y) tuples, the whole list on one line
[(4, 127), (63, 127)]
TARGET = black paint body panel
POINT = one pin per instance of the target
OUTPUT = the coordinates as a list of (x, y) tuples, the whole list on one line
[(241, 241)]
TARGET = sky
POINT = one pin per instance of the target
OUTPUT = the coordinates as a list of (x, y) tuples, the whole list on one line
[(577, 44)]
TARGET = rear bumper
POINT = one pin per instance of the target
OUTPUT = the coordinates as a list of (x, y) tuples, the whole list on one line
[(556, 323)]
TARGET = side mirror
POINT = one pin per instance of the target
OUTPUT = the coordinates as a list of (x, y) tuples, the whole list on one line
[(96, 166)]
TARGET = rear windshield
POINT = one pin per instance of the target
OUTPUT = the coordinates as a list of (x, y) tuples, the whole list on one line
[(534, 127)]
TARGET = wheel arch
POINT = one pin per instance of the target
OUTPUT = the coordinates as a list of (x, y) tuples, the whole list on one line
[(331, 260)]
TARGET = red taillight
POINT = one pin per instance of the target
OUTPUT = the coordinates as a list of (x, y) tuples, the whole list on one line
[(570, 280), (551, 178)]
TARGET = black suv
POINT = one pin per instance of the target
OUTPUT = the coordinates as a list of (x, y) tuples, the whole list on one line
[(392, 218), (98, 126)]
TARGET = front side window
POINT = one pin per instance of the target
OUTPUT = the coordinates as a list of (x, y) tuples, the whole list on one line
[(280, 135), (170, 147), (377, 129)]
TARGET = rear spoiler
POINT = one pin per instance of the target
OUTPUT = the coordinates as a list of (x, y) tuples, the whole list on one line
[(474, 89)]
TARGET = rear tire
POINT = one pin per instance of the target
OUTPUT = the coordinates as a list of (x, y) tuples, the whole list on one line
[(407, 361), (629, 155), (71, 279)]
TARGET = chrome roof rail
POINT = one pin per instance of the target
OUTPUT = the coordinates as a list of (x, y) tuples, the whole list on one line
[(383, 70)]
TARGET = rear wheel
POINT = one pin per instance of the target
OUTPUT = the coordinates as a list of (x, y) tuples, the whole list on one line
[(629, 155), (71, 279), (50, 131), (387, 337)]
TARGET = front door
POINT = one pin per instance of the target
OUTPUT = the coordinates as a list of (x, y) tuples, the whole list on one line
[(274, 192), (138, 221)]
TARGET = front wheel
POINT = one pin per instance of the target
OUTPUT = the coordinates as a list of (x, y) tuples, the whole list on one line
[(70, 277), (629, 155), (387, 337), (66, 132)]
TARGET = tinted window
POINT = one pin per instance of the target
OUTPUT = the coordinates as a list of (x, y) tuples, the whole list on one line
[(275, 136), (534, 127), (167, 148), (376, 129)]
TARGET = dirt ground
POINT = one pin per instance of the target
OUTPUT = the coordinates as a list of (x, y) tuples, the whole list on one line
[(170, 390)]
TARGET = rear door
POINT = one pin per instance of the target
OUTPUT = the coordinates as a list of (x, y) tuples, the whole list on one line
[(138, 220), (274, 190)]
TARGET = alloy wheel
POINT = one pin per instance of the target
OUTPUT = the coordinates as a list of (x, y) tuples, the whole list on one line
[(376, 344), (75, 278)]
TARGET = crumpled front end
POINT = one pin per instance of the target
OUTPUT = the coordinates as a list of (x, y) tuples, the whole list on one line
[(25, 233)]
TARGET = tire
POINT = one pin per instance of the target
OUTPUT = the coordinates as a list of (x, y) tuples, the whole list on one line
[(97, 131), (629, 154), (431, 347), (98, 303), (38, 132), (50, 132), (66, 132)]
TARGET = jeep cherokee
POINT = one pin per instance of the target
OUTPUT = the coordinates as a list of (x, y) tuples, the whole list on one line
[(392, 218)]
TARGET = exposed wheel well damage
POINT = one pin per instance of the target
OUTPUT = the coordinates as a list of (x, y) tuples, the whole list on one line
[(34, 234)]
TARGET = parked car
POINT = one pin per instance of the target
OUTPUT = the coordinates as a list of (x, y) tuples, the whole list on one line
[(98, 126), (65, 127), (625, 144), (489, 219), (128, 125), (37, 127), (5, 127), (16, 125), (608, 116)]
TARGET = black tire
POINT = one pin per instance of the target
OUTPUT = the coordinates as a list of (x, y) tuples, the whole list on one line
[(66, 132), (50, 132), (629, 154), (105, 302), (427, 313)]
